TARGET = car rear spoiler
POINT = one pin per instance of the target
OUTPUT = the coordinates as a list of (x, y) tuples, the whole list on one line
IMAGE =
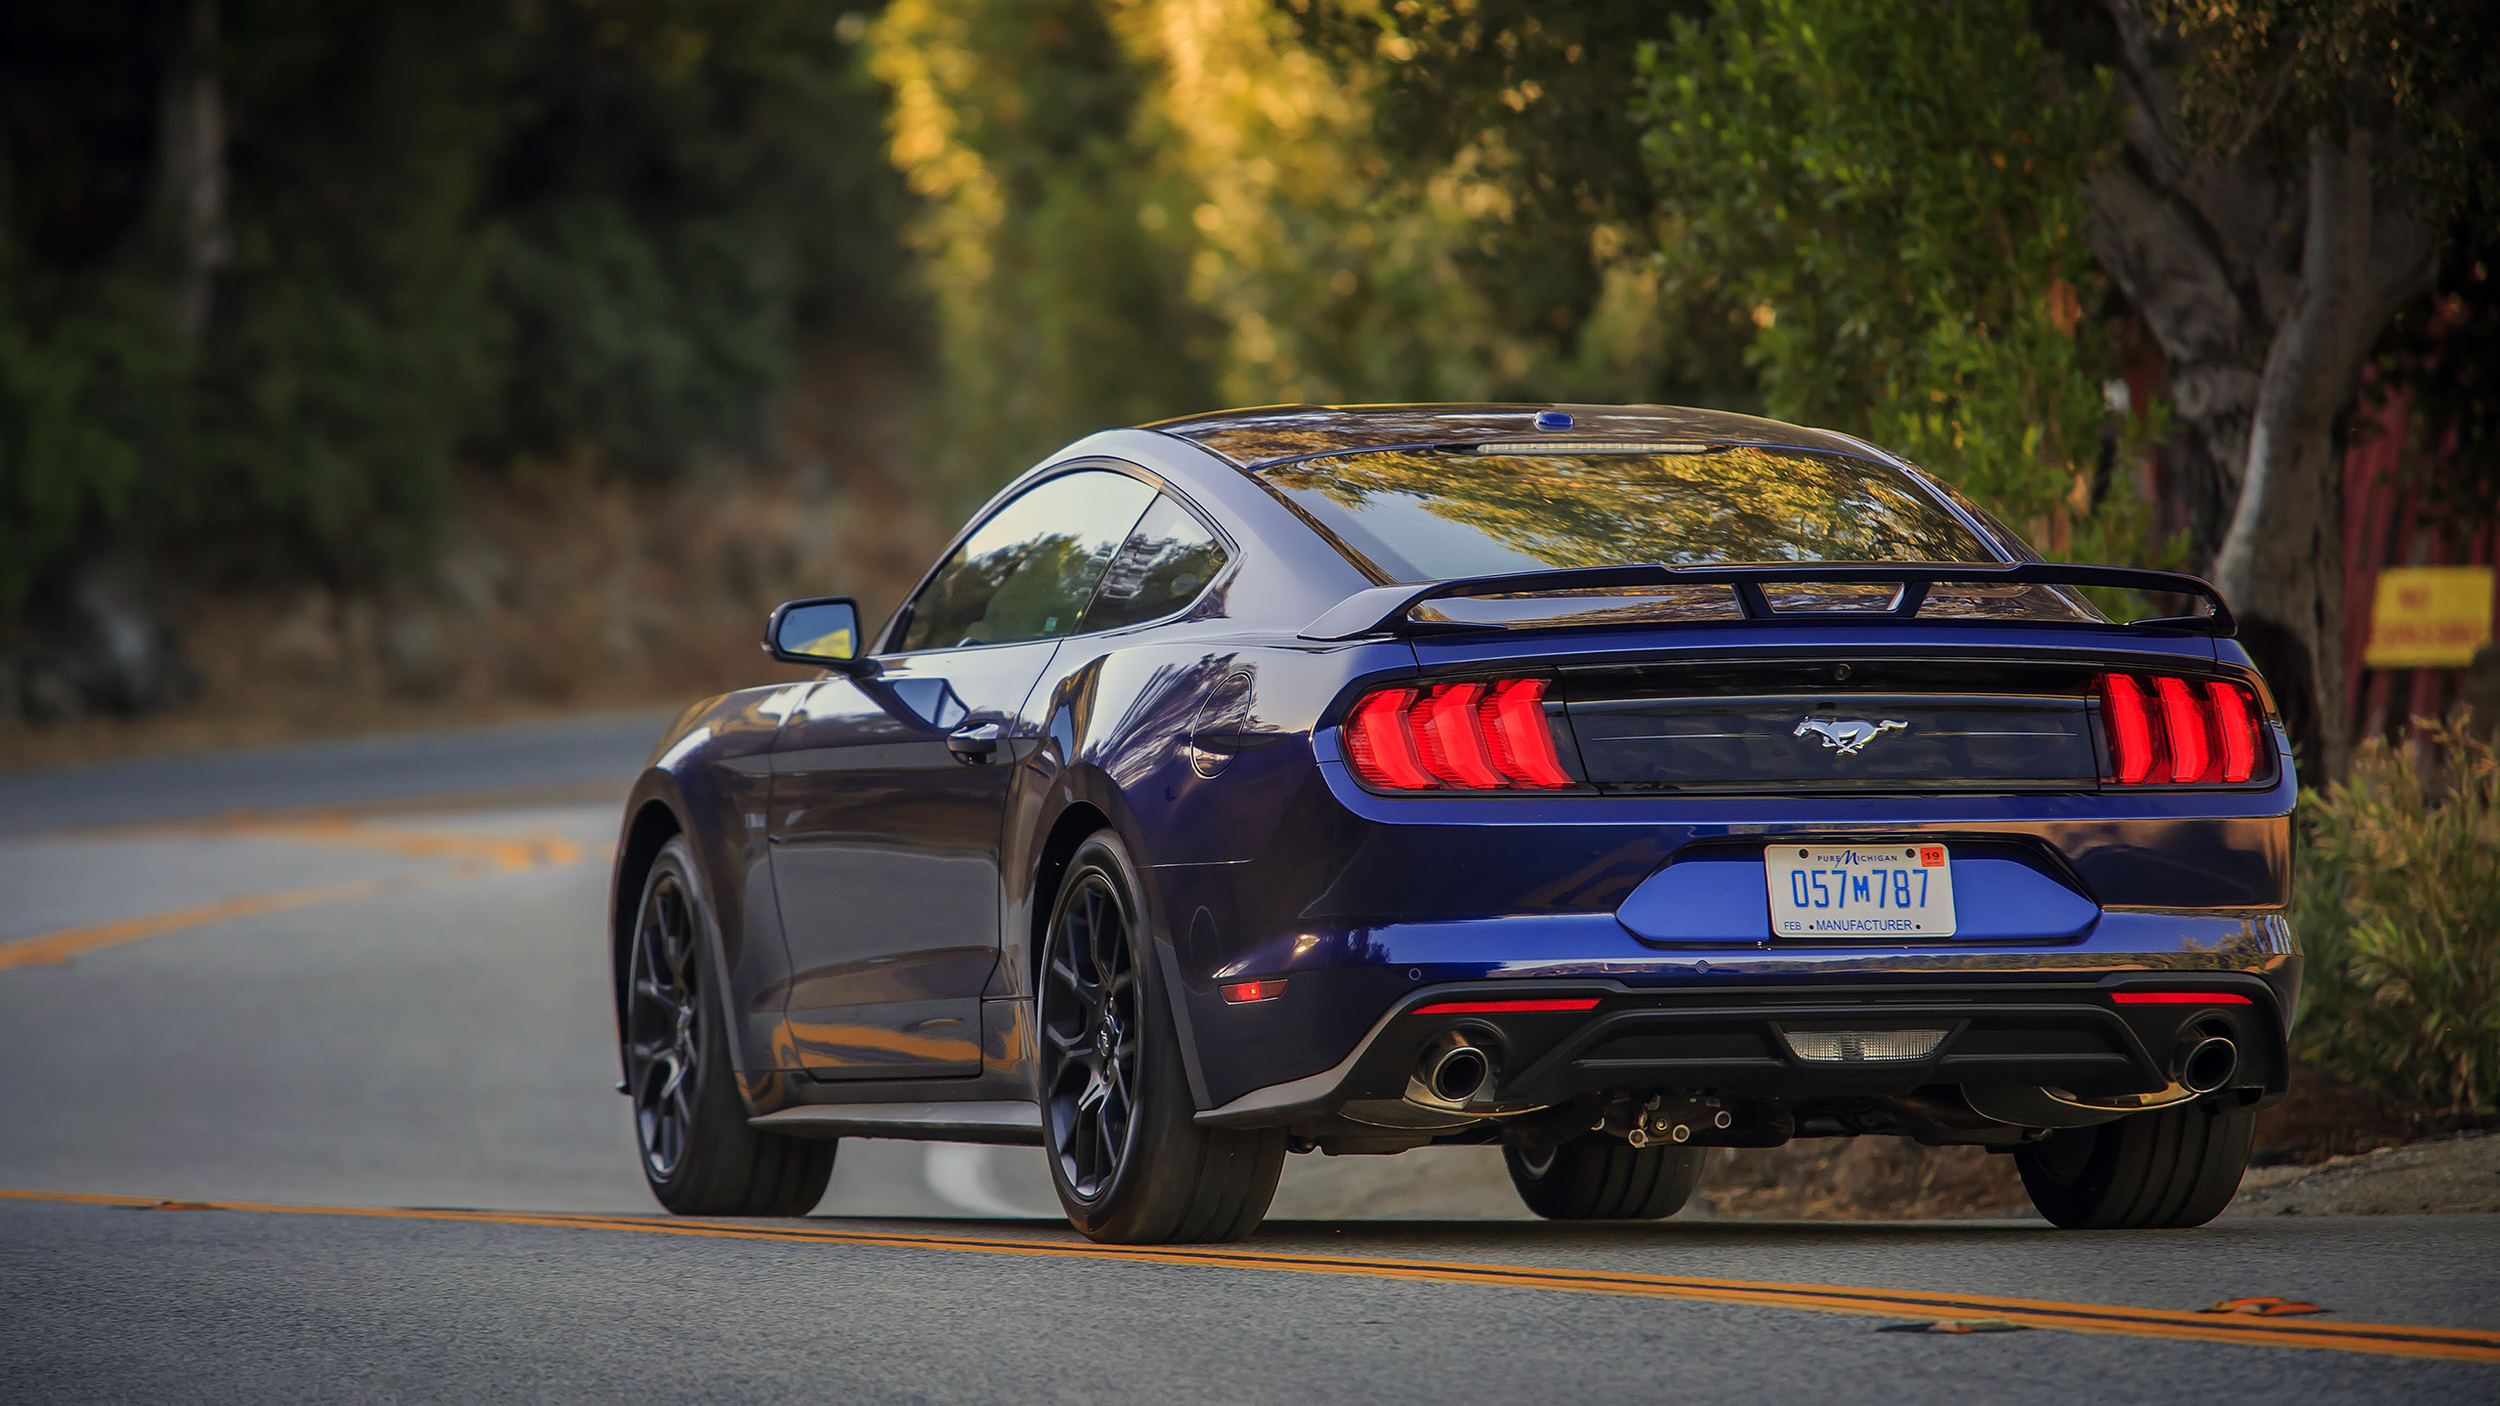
[(1385, 609)]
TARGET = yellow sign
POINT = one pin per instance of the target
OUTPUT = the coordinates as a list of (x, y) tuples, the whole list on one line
[(2429, 617)]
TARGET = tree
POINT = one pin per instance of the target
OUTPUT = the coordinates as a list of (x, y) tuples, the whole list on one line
[(1139, 207), (271, 270), (2289, 169), (1061, 303), (2269, 188), (1907, 251)]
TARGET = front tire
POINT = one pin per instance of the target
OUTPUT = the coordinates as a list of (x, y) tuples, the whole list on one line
[(1594, 1179), (1127, 1157), (2165, 1170), (698, 1154)]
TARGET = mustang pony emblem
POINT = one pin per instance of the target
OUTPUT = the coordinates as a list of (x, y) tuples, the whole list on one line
[(1848, 737)]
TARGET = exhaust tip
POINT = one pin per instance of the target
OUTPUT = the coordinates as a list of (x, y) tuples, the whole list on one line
[(1450, 1074), (2207, 1062)]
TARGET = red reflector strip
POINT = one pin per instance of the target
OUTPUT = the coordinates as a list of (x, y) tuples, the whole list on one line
[(2179, 998), (1503, 1007), (1242, 993)]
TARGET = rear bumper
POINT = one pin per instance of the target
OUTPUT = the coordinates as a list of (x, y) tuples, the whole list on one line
[(1361, 901), (2062, 1029), (1346, 988)]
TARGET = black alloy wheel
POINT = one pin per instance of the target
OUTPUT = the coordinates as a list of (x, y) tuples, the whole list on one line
[(1091, 1037), (2165, 1170), (1126, 1155), (1604, 1179), (698, 1154), (660, 1026)]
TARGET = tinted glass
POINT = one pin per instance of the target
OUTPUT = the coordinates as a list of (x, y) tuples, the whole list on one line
[(1430, 515), (1027, 572), (1163, 566)]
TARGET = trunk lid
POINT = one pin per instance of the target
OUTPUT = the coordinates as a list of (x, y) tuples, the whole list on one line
[(1871, 725)]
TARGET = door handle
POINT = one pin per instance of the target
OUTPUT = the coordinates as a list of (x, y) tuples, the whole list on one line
[(974, 742)]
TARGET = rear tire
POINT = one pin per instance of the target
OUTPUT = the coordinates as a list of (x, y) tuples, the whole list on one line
[(1594, 1179), (2165, 1170), (1127, 1157), (698, 1154)]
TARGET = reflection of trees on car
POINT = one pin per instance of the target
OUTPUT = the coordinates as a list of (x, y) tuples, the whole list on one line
[(1165, 561), (1571, 510), (1022, 591), (1045, 592)]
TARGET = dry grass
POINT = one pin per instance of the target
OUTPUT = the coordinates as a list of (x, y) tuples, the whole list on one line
[(561, 589)]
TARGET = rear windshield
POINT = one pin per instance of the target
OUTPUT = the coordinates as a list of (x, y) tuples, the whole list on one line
[(1436, 514)]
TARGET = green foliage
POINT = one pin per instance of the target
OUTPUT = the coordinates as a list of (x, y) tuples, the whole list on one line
[(464, 232), (1535, 103), (685, 186), (2398, 909), (1866, 216), (354, 346), (2418, 71), (1140, 207), (1059, 309), (63, 466), (1891, 192)]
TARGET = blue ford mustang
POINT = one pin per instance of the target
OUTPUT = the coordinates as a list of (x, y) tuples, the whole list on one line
[(1603, 783)]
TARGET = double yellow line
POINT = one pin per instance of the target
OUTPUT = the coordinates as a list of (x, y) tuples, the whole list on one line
[(2381, 1339)]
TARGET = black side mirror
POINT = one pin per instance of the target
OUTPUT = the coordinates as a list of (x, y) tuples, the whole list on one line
[(823, 632)]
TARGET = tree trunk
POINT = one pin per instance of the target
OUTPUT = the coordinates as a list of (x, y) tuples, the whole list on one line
[(2266, 285), (192, 170), (2285, 542)]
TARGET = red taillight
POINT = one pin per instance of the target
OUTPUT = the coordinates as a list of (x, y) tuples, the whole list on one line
[(2184, 723), (2238, 730), (2130, 727), (1455, 737), (2181, 733), (1523, 746), (1453, 747), (1377, 743), (2179, 998)]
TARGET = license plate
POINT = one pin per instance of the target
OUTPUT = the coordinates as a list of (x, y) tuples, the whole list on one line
[(1859, 890)]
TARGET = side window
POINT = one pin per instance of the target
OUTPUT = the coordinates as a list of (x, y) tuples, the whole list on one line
[(1162, 566), (1027, 572)]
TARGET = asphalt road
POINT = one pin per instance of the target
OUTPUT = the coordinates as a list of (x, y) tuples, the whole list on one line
[(255, 1008)]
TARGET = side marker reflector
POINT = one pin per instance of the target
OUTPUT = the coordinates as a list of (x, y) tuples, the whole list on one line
[(1503, 1007), (1242, 993)]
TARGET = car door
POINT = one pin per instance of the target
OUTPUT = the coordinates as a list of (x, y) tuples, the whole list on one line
[(889, 793)]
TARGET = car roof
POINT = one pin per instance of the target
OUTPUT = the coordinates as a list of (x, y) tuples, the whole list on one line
[(1267, 435)]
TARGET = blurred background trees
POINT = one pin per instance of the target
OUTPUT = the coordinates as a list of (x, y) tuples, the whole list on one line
[(283, 286), (272, 270)]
